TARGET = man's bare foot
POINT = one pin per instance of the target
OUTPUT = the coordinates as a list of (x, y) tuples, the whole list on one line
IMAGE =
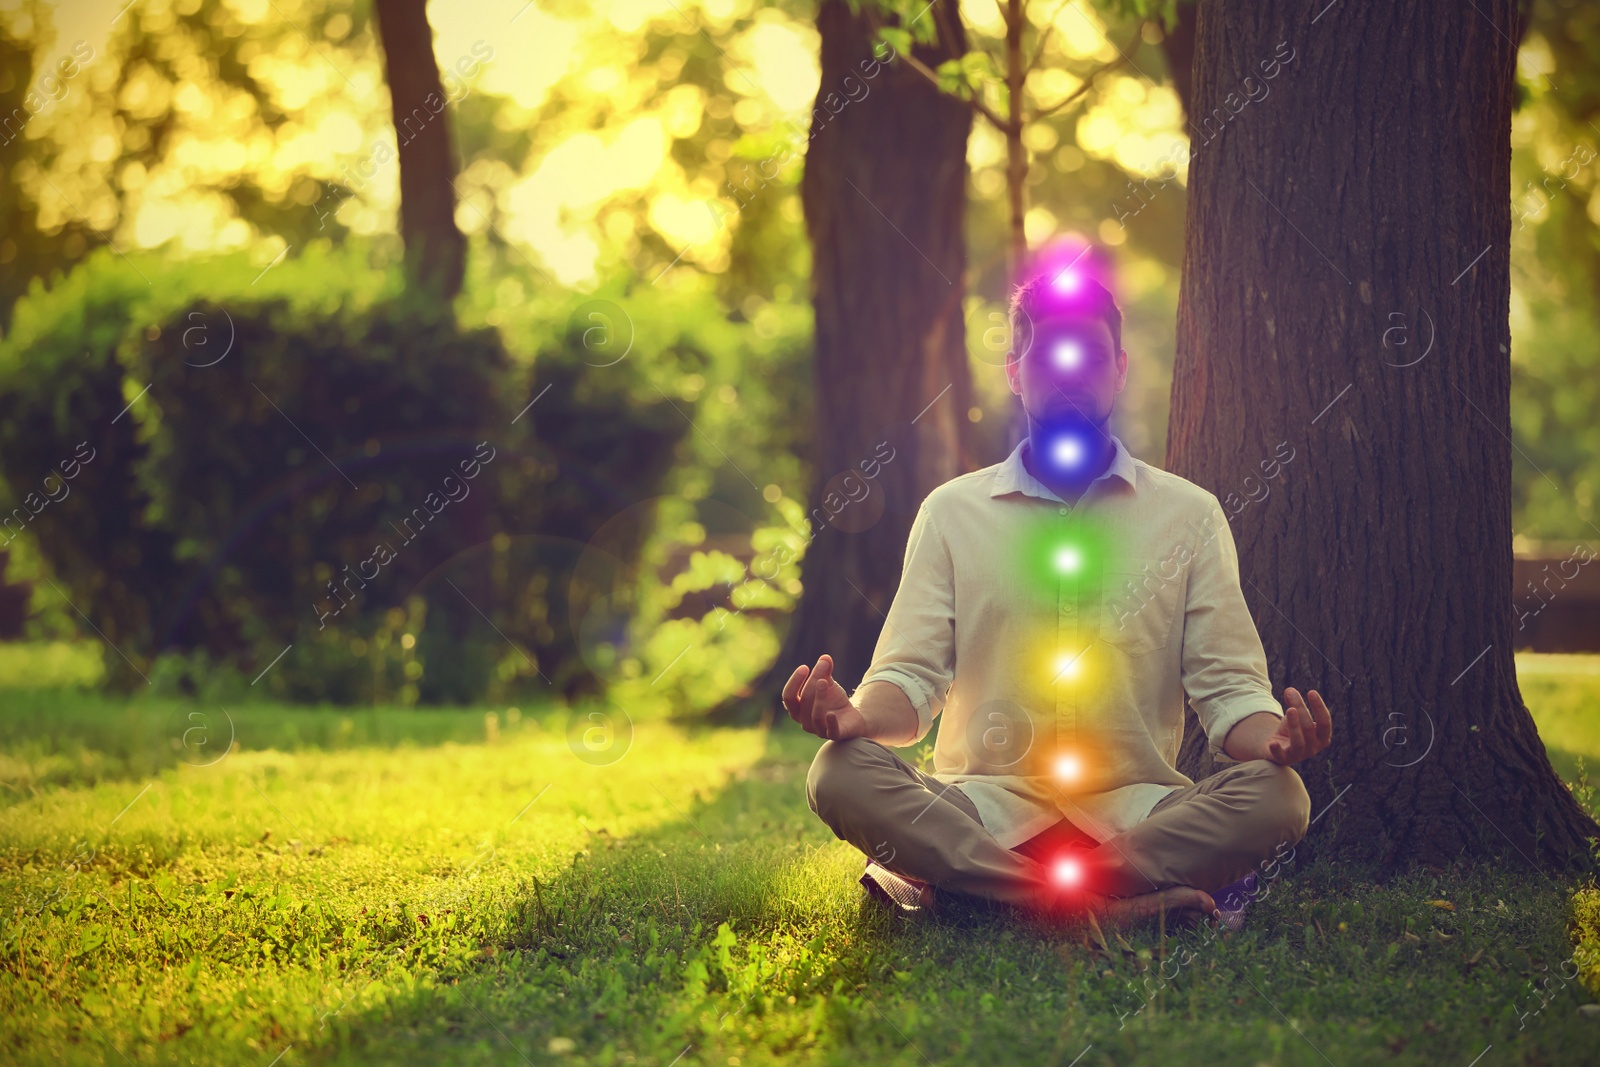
[(1181, 900)]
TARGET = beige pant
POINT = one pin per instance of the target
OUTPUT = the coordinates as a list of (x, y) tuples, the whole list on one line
[(1206, 835)]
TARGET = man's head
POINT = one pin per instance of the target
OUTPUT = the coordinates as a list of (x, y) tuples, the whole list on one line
[(1066, 360)]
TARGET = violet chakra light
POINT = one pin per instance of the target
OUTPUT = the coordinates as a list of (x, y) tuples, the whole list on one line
[(1067, 281)]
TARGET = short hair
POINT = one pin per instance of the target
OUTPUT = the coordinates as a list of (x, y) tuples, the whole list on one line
[(1038, 297)]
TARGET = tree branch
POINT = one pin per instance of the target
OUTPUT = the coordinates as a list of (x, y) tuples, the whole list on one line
[(973, 102), (945, 34), (1124, 58), (1044, 39)]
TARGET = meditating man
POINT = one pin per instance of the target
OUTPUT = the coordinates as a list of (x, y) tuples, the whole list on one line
[(1057, 608)]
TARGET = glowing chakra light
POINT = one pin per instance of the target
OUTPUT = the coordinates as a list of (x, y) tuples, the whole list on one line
[(1068, 355), (1067, 871), (1067, 452), (1068, 560), (1067, 281), (1068, 665), (1067, 768)]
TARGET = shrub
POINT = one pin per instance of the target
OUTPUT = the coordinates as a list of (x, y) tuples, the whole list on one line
[(218, 463)]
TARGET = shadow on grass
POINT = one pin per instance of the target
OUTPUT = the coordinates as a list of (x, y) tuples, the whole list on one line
[(736, 934)]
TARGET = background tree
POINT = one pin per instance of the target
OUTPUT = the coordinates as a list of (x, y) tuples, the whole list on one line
[(1177, 45), (1377, 565), (995, 87), (884, 193), (25, 251), (435, 250)]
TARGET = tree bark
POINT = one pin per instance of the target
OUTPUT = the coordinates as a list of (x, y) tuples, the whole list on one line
[(1345, 295), (435, 248), (884, 194)]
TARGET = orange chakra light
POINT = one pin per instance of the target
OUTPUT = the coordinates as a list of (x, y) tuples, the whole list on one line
[(1067, 767)]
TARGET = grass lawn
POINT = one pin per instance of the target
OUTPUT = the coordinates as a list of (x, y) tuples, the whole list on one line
[(401, 886)]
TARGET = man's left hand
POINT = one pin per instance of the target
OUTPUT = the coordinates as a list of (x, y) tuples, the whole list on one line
[(1304, 731)]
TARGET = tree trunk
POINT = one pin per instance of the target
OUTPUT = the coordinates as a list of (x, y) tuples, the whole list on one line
[(884, 193), (1016, 152), (1346, 295), (1177, 46), (435, 248)]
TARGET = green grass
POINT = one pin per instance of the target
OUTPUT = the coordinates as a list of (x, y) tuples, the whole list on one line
[(49, 665), (1564, 694), (394, 886)]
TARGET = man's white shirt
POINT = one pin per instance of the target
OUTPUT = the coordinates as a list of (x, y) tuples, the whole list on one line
[(984, 628)]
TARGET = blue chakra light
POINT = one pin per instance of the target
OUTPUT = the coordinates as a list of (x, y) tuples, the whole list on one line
[(1068, 452)]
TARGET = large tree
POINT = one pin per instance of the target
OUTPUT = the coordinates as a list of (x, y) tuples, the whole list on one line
[(1346, 295), (884, 195)]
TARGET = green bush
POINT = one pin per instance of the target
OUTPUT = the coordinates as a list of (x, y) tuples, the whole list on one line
[(219, 463)]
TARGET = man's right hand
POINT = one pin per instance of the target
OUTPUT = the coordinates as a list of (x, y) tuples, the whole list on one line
[(820, 705)]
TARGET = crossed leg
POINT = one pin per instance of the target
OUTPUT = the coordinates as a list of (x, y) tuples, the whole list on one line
[(1202, 837)]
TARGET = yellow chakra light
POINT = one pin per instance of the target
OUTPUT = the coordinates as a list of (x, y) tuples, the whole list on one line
[(1069, 665)]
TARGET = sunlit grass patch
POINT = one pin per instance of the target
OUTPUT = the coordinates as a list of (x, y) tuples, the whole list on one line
[(1563, 692), (423, 886)]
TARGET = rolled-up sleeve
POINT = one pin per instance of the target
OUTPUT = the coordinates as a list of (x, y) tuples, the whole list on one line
[(1224, 664), (916, 648)]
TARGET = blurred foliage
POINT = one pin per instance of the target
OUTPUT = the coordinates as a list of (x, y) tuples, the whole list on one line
[(127, 121), (1555, 259), (209, 461), (626, 158), (213, 125), (50, 665), (178, 90), (25, 249), (738, 379)]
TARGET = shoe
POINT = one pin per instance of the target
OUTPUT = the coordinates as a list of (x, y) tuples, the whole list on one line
[(896, 892), (1232, 899)]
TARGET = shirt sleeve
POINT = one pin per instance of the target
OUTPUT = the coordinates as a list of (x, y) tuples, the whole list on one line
[(1224, 664), (916, 648)]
